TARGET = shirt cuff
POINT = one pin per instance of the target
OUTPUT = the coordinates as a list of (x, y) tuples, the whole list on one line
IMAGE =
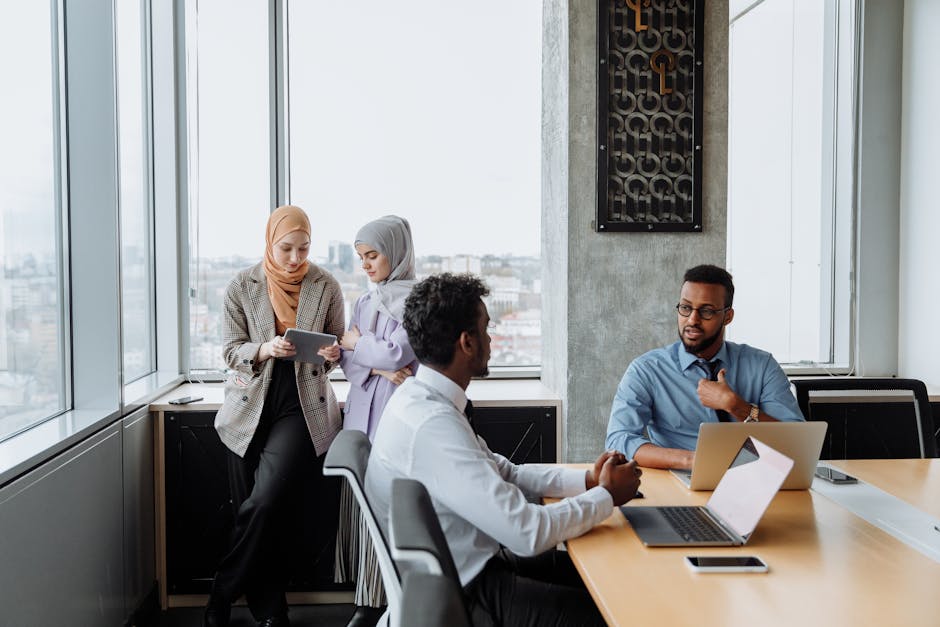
[(574, 481), (600, 497)]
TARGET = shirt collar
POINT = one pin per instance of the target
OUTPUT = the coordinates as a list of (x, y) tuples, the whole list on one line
[(686, 358), (443, 385)]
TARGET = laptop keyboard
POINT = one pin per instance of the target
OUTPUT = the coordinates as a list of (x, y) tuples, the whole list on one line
[(693, 524)]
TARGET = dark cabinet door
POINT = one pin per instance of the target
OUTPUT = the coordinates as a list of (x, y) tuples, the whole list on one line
[(868, 430), (199, 513), (524, 435)]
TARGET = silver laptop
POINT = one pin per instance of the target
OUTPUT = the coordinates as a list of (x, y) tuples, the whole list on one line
[(718, 442), (731, 514)]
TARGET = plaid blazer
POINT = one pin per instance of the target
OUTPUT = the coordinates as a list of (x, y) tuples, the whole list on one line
[(248, 323)]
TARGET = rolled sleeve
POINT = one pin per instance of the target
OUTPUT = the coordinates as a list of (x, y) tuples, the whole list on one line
[(629, 415), (776, 397)]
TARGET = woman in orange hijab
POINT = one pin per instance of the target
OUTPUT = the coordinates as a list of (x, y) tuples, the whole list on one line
[(279, 416)]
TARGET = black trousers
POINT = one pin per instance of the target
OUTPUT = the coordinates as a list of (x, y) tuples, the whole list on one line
[(269, 487), (515, 591)]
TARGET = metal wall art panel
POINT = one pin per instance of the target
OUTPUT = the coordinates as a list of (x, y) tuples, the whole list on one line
[(649, 129)]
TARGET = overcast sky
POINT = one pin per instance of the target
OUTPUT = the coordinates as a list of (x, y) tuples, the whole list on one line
[(426, 109), (429, 109)]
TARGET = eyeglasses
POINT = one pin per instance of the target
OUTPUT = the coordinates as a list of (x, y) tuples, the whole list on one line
[(705, 313)]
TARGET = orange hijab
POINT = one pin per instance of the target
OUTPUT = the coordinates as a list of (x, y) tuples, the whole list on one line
[(284, 286)]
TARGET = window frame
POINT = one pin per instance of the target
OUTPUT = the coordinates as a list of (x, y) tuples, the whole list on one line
[(279, 136), (840, 163), (146, 63)]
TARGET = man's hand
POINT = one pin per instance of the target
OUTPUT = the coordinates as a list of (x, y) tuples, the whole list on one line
[(621, 480), (718, 394), (591, 479)]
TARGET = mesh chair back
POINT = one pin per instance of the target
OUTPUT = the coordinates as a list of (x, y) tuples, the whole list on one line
[(878, 433), (348, 457), (432, 601)]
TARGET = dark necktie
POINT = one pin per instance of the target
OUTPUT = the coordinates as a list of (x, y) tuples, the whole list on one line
[(711, 368), (468, 412)]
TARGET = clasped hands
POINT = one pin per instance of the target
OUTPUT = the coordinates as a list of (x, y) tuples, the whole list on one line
[(615, 474)]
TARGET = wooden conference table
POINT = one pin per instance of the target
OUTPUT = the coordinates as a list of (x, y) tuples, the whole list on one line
[(827, 565)]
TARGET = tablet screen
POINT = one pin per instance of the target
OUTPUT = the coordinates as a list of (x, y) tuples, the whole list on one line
[(307, 344)]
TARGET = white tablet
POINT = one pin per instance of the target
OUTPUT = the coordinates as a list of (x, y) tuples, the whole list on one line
[(307, 343)]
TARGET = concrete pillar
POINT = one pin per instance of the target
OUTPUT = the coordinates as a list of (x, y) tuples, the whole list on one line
[(609, 297)]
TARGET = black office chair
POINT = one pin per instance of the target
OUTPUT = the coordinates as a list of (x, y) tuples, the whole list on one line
[(348, 457), (432, 601), (418, 542), (875, 430)]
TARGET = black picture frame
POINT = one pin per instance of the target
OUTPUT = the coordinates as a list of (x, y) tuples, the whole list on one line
[(644, 130)]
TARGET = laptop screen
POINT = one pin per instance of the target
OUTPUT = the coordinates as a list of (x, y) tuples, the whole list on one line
[(748, 486)]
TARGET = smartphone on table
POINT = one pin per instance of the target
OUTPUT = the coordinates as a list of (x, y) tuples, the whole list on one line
[(834, 476), (184, 400), (726, 564)]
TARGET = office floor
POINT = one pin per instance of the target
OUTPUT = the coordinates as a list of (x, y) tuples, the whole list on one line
[(300, 616)]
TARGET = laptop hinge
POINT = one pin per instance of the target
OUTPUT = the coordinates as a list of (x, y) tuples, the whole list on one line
[(726, 527)]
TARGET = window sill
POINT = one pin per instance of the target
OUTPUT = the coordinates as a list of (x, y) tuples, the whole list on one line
[(24, 451), (27, 450), (811, 369), (143, 390), (484, 392), (496, 372)]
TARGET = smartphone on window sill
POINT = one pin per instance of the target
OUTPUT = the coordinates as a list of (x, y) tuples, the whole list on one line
[(185, 400)]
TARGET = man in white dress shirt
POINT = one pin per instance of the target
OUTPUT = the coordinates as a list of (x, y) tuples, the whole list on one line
[(502, 544)]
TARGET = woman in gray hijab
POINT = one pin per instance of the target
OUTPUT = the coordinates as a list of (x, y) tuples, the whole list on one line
[(376, 359)]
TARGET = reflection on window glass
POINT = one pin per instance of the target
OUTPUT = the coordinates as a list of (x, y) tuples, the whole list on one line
[(230, 172), (32, 362), (432, 111), (136, 253)]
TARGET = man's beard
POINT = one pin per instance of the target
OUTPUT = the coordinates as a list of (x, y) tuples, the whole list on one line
[(703, 344)]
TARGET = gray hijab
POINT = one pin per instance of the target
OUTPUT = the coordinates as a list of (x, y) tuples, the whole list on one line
[(391, 236)]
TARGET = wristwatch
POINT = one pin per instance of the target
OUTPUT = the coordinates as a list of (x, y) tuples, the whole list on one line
[(753, 414)]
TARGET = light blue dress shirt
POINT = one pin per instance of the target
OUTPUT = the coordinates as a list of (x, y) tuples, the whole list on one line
[(658, 395)]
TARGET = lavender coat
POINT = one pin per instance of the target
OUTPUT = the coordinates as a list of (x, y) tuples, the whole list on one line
[(386, 349)]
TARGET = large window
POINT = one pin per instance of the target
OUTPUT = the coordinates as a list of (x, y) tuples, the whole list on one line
[(791, 123), (429, 110), (229, 156), (133, 107), (32, 348)]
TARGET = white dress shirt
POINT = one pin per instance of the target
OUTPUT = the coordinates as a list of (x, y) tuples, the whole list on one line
[(477, 494)]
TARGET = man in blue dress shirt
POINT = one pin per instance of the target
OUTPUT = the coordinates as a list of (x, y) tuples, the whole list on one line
[(668, 392)]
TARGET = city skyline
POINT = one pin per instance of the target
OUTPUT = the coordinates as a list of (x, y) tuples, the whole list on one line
[(514, 302)]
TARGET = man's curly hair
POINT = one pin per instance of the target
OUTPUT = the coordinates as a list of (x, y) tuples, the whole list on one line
[(714, 275), (438, 310)]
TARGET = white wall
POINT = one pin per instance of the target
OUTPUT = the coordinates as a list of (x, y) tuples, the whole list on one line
[(919, 294)]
